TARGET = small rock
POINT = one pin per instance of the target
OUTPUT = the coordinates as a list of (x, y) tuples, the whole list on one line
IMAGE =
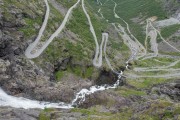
[(17, 51)]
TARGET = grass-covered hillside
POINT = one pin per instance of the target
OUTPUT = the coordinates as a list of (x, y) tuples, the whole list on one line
[(148, 90), (135, 13), (75, 42)]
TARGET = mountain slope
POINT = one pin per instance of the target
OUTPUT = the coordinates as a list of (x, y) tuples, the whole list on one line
[(149, 88)]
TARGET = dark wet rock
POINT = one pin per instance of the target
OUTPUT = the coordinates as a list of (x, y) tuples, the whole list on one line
[(122, 68), (136, 98), (37, 80), (9, 24), (170, 89), (2, 46), (106, 77), (62, 64), (17, 51), (177, 85), (1, 35), (142, 107), (35, 84), (22, 77)]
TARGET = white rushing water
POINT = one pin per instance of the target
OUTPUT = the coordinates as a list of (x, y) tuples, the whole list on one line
[(20, 102), (80, 96)]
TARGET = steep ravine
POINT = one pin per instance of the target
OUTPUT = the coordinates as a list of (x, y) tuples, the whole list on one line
[(63, 69), (39, 79)]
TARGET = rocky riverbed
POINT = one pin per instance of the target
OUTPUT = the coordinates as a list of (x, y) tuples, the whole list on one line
[(63, 70)]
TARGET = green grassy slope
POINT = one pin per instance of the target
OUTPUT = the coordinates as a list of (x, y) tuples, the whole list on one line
[(82, 48), (130, 9)]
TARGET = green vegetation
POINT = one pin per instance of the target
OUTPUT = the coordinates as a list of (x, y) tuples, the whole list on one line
[(92, 111), (153, 73), (29, 30), (126, 92), (54, 22), (171, 53), (34, 19), (44, 115), (81, 49), (168, 31), (158, 109), (164, 59), (177, 110), (89, 72), (79, 21), (86, 72), (146, 82), (60, 74), (130, 9), (28, 15), (76, 50), (77, 70), (67, 3), (177, 65), (155, 111), (154, 62)]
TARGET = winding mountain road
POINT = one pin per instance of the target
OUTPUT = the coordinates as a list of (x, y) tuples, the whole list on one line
[(30, 51), (130, 40), (135, 46), (33, 51), (97, 61), (170, 75), (164, 39), (158, 67), (153, 41)]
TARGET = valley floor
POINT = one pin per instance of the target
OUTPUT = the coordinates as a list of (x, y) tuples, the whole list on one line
[(144, 84)]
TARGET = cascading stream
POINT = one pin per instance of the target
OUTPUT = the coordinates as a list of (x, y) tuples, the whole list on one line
[(80, 97), (20, 102)]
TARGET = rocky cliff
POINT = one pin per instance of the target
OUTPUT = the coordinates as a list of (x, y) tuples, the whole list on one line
[(65, 67)]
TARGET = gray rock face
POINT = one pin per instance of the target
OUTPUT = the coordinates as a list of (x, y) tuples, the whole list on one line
[(1, 35), (25, 78), (171, 6), (172, 90), (104, 98), (18, 114), (7, 113), (21, 76), (3, 68)]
